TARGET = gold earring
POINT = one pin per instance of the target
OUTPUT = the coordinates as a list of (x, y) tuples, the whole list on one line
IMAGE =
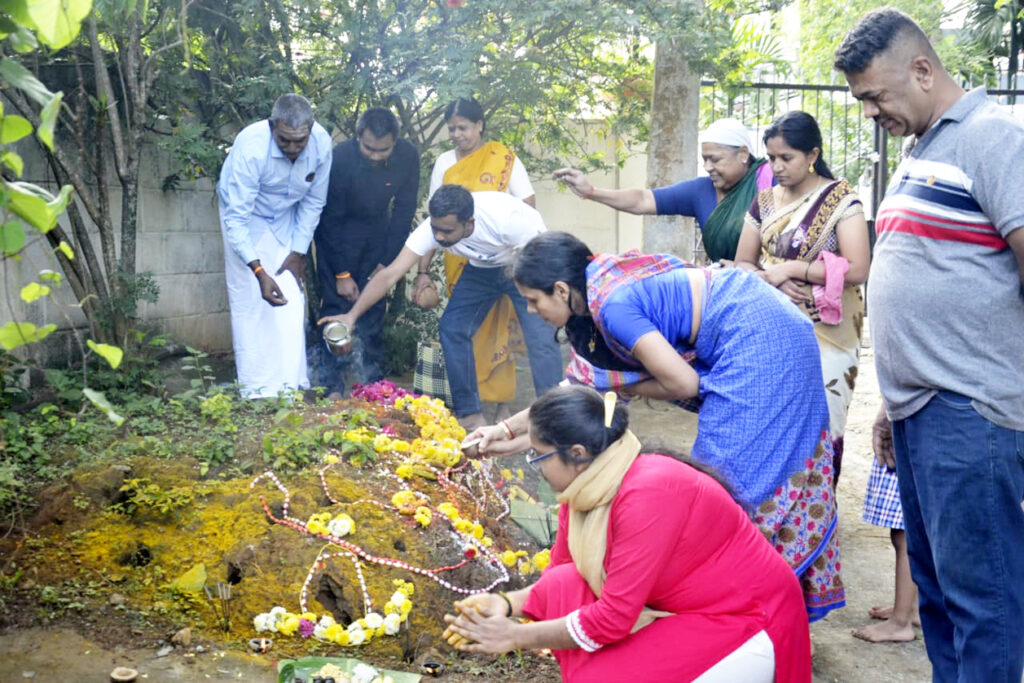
[(810, 169)]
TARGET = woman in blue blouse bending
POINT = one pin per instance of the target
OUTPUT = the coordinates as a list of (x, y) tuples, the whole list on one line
[(648, 325), (719, 200)]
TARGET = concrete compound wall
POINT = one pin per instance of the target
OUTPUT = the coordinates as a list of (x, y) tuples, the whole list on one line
[(179, 240)]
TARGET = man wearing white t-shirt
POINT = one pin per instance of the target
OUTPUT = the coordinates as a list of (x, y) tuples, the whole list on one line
[(487, 228)]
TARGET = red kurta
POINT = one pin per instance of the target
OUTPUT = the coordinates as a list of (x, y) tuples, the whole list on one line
[(676, 542)]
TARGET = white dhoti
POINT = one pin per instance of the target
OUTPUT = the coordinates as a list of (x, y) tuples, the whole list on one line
[(269, 341)]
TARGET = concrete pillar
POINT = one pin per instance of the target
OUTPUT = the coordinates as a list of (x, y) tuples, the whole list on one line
[(672, 148)]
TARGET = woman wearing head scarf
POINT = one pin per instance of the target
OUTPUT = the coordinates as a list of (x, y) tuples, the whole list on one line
[(719, 200), (656, 573)]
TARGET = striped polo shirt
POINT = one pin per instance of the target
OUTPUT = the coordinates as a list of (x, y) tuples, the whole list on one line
[(944, 297)]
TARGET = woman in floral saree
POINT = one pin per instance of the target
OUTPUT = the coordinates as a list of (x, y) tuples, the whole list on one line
[(648, 325), (480, 166), (807, 236)]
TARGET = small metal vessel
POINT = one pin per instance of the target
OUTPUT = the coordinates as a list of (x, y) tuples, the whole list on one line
[(337, 338)]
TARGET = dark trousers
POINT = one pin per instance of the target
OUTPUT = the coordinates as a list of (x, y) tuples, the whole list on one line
[(327, 370), (474, 294), (961, 485)]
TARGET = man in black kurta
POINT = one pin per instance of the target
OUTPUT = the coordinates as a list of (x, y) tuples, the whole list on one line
[(370, 204)]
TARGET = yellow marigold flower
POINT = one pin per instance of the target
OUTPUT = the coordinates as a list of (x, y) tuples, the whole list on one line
[(330, 459), (487, 541), (405, 609), (525, 566), (406, 587), (424, 516), (506, 473), (478, 530), (390, 608), (404, 471), (288, 624), (448, 510), (407, 501), (463, 525), (382, 443), (399, 446), (335, 633), (542, 559), (510, 557), (308, 616)]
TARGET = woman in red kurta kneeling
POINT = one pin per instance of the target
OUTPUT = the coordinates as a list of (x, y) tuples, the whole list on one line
[(656, 573)]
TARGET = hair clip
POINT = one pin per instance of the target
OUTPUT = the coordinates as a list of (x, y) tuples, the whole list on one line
[(610, 398)]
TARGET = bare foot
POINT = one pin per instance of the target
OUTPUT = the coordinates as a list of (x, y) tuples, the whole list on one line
[(885, 632), (880, 612)]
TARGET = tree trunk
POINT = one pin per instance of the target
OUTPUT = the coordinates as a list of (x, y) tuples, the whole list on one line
[(672, 149)]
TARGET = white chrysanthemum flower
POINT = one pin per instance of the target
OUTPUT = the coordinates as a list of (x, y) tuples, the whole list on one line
[(363, 673), (392, 623), (356, 636), (342, 525), (278, 612), (373, 620), (398, 597), (265, 622), (326, 620)]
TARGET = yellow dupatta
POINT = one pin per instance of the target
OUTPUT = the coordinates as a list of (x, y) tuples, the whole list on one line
[(489, 168), (589, 498)]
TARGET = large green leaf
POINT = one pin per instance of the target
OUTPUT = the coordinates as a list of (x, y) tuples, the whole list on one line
[(36, 206), (111, 354), (12, 71), (12, 237), (13, 335), (57, 21), (13, 128), (100, 401), (48, 120)]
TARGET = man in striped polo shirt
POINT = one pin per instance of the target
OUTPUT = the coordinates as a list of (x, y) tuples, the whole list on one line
[(946, 302)]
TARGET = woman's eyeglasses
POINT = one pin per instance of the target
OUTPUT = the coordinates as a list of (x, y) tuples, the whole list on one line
[(532, 457)]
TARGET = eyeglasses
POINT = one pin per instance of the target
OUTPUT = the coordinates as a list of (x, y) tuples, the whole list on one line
[(532, 457)]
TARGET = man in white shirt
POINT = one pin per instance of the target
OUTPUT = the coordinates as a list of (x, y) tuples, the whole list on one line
[(272, 188), (487, 228)]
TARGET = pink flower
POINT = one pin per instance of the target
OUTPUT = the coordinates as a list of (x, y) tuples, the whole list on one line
[(306, 628)]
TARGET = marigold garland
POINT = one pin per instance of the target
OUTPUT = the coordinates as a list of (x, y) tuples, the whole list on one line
[(434, 456)]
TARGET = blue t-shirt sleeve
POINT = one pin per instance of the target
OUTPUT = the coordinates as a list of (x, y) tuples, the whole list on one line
[(694, 197)]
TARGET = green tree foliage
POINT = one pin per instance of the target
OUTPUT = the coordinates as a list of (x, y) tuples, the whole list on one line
[(995, 28), (534, 66), (824, 24)]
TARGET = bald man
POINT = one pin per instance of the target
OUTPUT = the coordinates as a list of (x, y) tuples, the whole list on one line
[(947, 325)]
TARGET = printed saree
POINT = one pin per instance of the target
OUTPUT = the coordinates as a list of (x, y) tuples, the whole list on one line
[(489, 168), (804, 230)]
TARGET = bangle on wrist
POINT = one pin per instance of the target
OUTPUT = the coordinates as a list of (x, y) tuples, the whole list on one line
[(590, 195), (807, 273), (257, 270), (504, 596), (343, 276), (508, 430), (422, 272)]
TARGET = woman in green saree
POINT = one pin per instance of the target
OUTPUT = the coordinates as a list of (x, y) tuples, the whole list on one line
[(718, 201)]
